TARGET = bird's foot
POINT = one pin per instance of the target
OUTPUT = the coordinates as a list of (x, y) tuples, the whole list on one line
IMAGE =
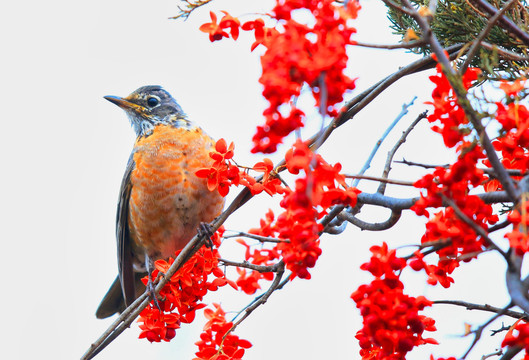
[(205, 230), (151, 290), (150, 287)]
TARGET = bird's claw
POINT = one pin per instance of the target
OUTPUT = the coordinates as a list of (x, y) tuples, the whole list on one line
[(151, 290), (205, 230)]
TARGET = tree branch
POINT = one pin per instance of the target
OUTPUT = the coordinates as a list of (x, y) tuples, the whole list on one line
[(261, 300), (129, 315), (486, 307), (381, 180), (387, 167), (259, 238), (461, 94), (511, 352), (392, 220), (408, 45), (503, 20), (247, 265), (476, 43), (367, 164), (479, 331)]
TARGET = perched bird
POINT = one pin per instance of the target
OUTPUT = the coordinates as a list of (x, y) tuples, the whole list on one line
[(161, 202)]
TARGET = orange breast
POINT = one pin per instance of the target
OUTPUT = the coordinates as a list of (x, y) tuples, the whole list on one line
[(168, 202)]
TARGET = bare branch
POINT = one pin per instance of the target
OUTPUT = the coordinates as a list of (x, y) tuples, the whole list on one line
[(426, 166), (387, 167), (367, 164), (392, 220), (479, 331), (406, 203), (499, 226), (408, 45), (396, 6), (488, 171), (381, 179), (259, 238), (247, 265), (261, 300), (497, 353), (485, 307)]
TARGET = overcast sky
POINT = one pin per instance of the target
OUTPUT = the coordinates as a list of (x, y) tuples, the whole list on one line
[(64, 150)]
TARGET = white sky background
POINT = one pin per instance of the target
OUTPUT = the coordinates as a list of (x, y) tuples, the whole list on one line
[(64, 150)]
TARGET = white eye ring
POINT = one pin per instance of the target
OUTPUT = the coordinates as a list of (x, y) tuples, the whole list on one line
[(153, 101)]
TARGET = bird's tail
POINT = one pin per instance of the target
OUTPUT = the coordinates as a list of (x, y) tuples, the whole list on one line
[(113, 302)]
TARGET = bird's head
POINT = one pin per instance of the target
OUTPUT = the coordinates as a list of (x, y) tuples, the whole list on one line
[(149, 106)]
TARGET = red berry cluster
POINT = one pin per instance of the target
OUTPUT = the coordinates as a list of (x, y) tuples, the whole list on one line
[(311, 53), (216, 342), (320, 187), (392, 325), (447, 111), (456, 239)]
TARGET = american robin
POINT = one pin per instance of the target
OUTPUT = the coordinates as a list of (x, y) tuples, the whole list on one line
[(161, 201)]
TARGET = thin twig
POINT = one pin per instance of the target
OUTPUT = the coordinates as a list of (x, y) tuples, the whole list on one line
[(485, 307), (479, 331), (381, 179), (247, 265), (261, 300), (367, 164), (408, 45), (387, 167), (259, 238), (189, 7), (488, 171), (425, 166), (499, 352), (499, 226)]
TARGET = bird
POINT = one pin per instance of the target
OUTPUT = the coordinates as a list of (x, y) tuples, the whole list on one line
[(161, 202)]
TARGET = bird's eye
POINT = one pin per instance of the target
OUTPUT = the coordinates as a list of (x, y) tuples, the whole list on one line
[(152, 101)]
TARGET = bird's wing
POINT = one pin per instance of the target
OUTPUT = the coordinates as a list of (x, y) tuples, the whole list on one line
[(126, 273)]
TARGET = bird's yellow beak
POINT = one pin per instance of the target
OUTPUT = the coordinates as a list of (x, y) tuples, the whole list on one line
[(125, 104)]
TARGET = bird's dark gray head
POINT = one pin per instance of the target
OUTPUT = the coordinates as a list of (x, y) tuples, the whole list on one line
[(149, 106)]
